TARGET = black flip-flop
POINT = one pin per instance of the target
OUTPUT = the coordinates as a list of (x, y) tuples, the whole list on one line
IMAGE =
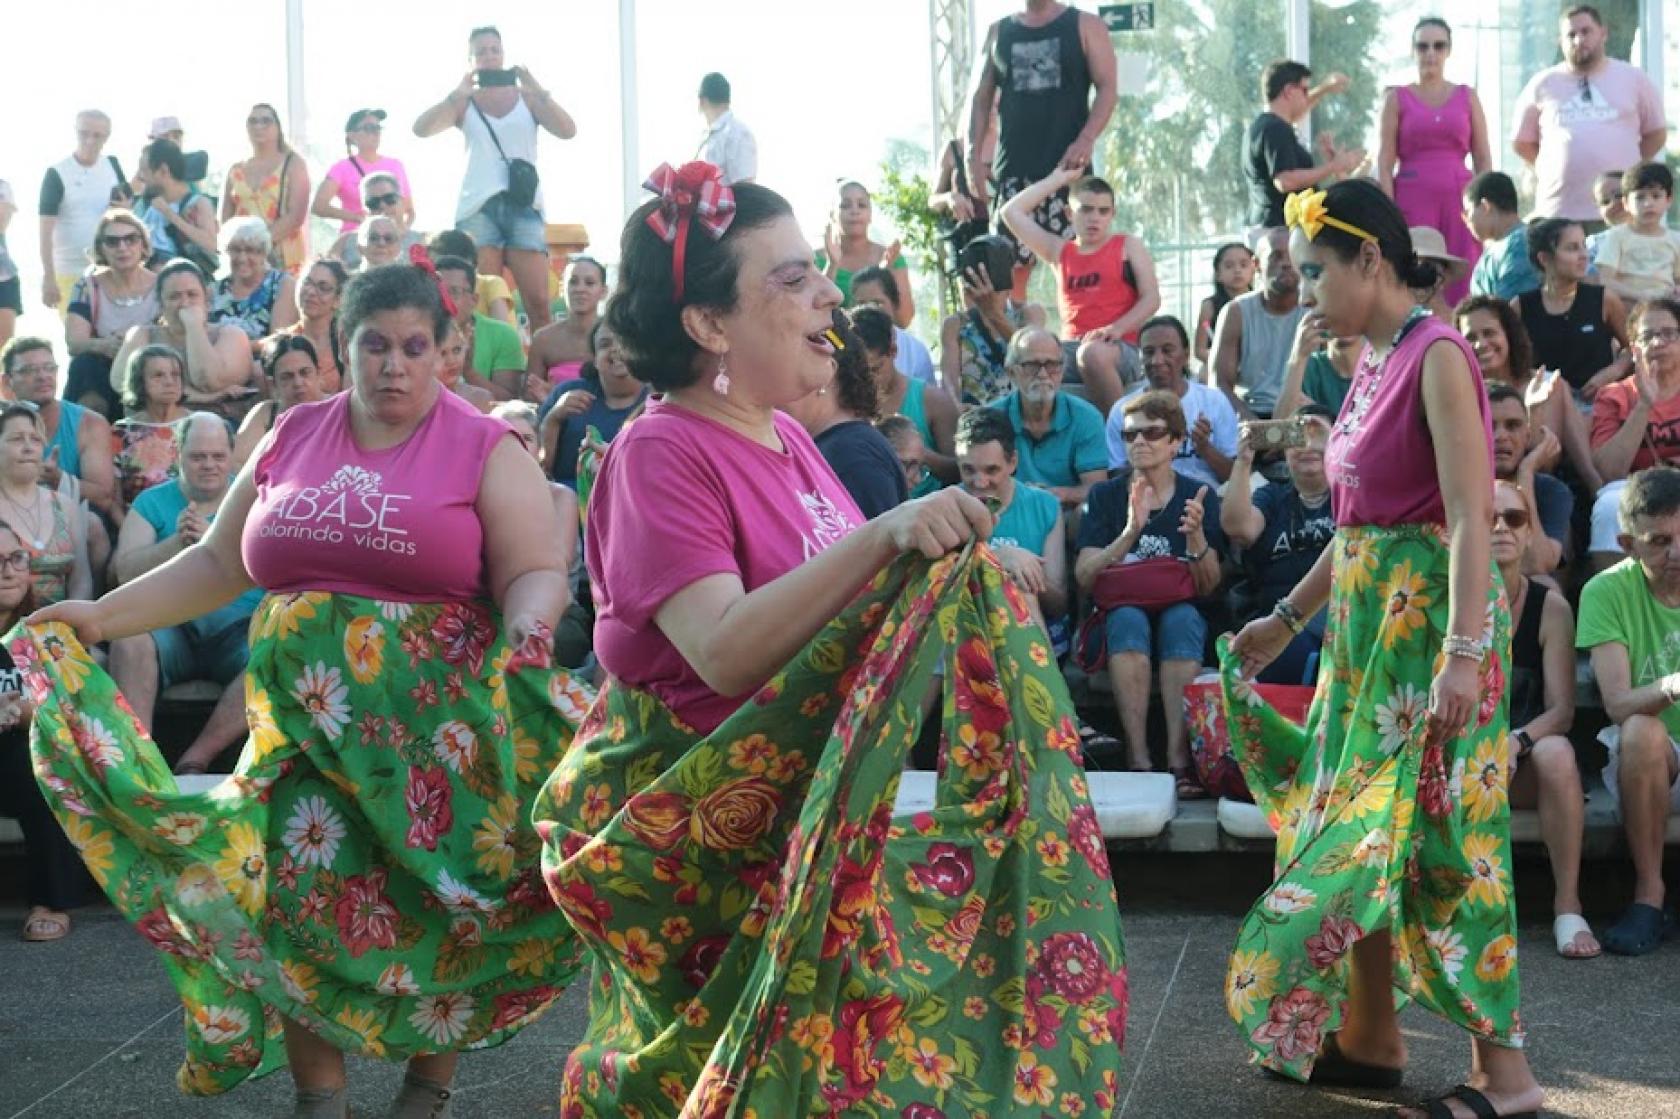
[(1332, 1069), (1641, 928), (1480, 1106)]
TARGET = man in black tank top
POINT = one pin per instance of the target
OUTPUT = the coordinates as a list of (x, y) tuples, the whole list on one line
[(1037, 72)]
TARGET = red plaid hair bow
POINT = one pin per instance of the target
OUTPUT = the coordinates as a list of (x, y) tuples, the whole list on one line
[(694, 191), (421, 259)]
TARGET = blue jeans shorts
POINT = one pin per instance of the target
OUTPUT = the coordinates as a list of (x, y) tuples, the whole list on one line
[(498, 225), (1178, 633), (213, 647)]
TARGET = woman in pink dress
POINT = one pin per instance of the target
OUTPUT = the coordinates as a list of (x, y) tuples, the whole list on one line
[(1428, 128)]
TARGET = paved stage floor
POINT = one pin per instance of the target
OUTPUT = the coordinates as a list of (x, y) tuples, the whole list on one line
[(89, 1027)]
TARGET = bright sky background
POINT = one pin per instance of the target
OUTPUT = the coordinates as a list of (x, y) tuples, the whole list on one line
[(823, 86)]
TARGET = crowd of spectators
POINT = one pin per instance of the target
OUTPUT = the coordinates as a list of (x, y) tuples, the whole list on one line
[(1115, 443)]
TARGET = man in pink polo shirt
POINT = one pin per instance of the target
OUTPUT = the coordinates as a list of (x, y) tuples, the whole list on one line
[(1588, 114)]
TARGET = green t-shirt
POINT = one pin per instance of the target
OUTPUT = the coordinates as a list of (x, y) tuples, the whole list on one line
[(843, 278), (1324, 384), (495, 345), (1617, 607)]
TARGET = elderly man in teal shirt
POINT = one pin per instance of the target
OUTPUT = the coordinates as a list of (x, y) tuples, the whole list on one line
[(1058, 437)]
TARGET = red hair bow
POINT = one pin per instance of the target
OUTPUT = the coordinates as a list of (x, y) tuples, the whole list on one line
[(695, 191), (421, 259)]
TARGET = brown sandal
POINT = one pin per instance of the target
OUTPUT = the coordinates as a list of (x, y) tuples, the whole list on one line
[(44, 925)]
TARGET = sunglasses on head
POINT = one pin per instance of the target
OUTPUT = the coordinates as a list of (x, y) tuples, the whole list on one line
[(379, 201), (1511, 518), (1153, 433)]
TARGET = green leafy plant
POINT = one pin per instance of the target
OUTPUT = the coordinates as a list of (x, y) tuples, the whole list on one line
[(903, 200)]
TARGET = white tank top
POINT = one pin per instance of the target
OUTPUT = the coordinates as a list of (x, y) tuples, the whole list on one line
[(487, 174)]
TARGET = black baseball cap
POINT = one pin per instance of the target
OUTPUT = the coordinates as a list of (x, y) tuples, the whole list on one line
[(356, 117)]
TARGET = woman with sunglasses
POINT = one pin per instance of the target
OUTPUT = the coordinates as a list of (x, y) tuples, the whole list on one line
[(1429, 128), (1636, 422), (1150, 514), (117, 294), (273, 184), (340, 194), (1542, 769), (1393, 870), (381, 198)]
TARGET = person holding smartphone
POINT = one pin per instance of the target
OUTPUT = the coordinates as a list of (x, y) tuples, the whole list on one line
[(498, 111)]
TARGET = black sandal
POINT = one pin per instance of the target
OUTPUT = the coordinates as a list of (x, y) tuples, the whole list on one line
[(1332, 1069), (1480, 1106)]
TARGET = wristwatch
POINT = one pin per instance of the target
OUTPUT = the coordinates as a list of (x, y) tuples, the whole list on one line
[(1525, 742)]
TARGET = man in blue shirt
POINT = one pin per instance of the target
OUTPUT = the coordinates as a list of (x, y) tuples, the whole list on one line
[(167, 519), (1490, 210), (1059, 440)]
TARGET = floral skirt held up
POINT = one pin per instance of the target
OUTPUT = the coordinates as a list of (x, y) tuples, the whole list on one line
[(369, 871), (768, 942), (1375, 831)]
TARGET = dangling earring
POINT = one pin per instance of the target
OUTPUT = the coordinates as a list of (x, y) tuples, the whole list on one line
[(720, 383)]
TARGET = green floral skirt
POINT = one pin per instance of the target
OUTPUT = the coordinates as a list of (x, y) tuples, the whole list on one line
[(769, 942), (1374, 830), (369, 871)]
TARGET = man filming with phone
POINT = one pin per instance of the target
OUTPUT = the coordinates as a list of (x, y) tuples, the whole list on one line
[(498, 111)]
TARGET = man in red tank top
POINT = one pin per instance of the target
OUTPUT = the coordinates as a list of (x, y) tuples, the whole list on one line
[(1105, 282)]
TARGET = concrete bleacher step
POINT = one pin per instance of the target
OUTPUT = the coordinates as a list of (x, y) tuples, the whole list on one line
[(1602, 831), (1128, 805)]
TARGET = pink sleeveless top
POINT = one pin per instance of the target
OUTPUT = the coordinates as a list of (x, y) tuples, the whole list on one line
[(1381, 459), (398, 524), (1430, 136)]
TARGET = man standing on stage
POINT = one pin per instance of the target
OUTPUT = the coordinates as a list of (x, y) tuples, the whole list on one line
[(1037, 73), (1587, 115)]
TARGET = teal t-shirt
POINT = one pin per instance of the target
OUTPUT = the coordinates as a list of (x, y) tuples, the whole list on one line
[(496, 346), (843, 277), (1074, 445), (1617, 607), (1324, 384), (1026, 524), (161, 506)]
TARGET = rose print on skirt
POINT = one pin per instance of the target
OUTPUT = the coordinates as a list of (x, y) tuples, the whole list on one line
[(767, 941)]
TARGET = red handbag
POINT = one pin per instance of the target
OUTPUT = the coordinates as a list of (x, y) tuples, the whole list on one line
[(1150, 585)]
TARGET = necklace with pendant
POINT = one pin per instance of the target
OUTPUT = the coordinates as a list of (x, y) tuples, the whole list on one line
[(1371, 370), (32, 523)]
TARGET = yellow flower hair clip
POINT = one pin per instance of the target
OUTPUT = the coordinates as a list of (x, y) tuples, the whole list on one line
[(1305, 210)]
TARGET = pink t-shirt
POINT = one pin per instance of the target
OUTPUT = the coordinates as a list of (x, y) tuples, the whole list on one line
[(349, 181), (1584, 131), (1381, 461), (398, 524), (681, 497)]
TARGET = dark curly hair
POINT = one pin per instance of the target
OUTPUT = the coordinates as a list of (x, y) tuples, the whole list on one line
[(853, 384), (645, 315), (1517, 345), (392, 287)]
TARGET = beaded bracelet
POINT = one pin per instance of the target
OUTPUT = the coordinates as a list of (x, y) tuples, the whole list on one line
[(1457, 645), (1286, 612)]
